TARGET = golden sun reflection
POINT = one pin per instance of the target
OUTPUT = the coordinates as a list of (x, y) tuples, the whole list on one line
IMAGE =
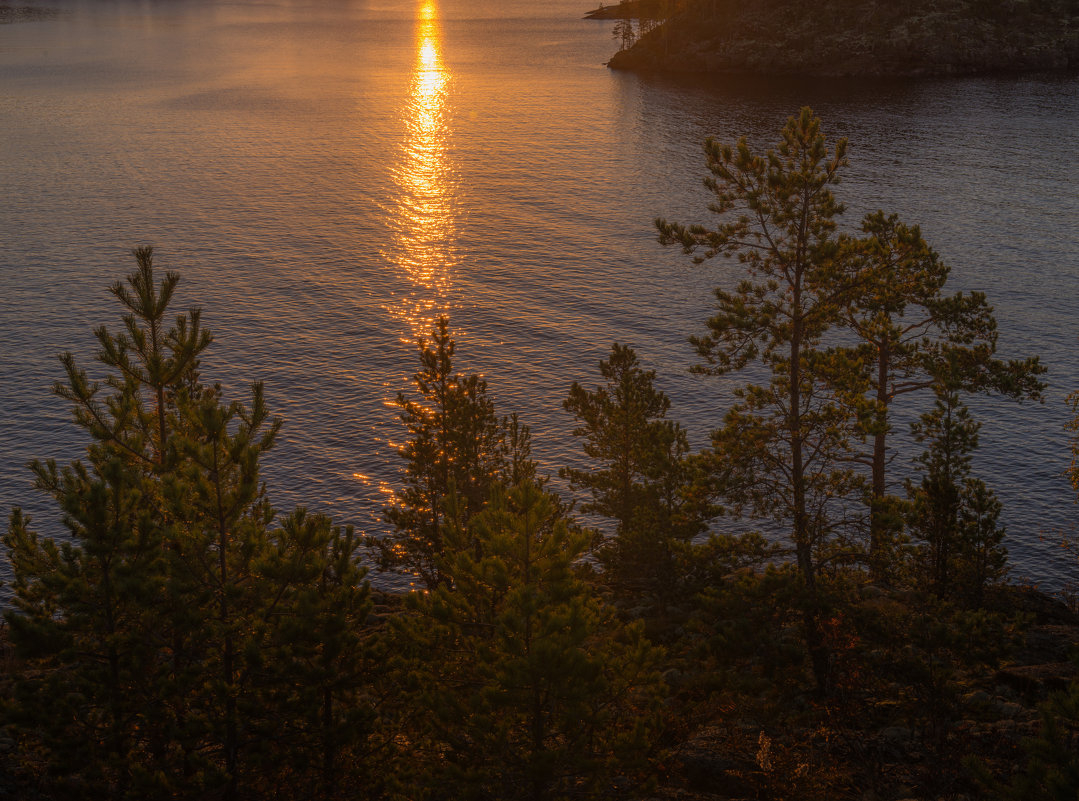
[(422, 218)]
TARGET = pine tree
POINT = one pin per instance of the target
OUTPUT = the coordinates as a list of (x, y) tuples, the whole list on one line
[(148, 359), (85, 622), (785, 447), (454, 447), (515, 453), (910, 330), (221, 532), (954, 516), (529, 687), (1072, 426), (984, 557), (167, 638), (642, 470), (89, 607), (278, 653), (952, 436), (623, 32), (315, 666)]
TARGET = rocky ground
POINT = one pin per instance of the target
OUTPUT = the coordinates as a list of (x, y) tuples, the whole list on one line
[(786, 746), (821, 753), (862, 38)]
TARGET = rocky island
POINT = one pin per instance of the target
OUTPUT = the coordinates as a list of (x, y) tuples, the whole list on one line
[(902, 38), (10, 14)]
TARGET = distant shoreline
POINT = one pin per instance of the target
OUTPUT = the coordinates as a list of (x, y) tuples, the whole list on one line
[(837, 38), (11, 14)]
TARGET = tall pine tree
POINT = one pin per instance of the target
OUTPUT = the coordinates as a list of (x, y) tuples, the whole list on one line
[(910, 330), (784, 449), (454, 449), (89, 607), (161, 637)]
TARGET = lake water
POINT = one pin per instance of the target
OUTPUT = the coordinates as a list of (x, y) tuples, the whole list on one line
[(330, 176)]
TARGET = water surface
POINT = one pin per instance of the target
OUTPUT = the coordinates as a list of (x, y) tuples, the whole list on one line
[(330, 176)]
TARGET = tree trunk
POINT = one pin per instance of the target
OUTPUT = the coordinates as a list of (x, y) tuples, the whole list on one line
[(878, 525)]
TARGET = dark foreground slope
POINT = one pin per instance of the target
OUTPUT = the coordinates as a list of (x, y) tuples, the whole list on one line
[(862, 38)]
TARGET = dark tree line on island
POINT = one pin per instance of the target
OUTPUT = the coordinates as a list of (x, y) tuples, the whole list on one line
[(635, 18), (187, 641)]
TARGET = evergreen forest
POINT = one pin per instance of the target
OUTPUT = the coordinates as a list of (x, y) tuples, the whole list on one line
[(188, 640)]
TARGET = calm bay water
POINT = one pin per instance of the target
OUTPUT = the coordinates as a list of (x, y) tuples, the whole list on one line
[(330, 176)]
